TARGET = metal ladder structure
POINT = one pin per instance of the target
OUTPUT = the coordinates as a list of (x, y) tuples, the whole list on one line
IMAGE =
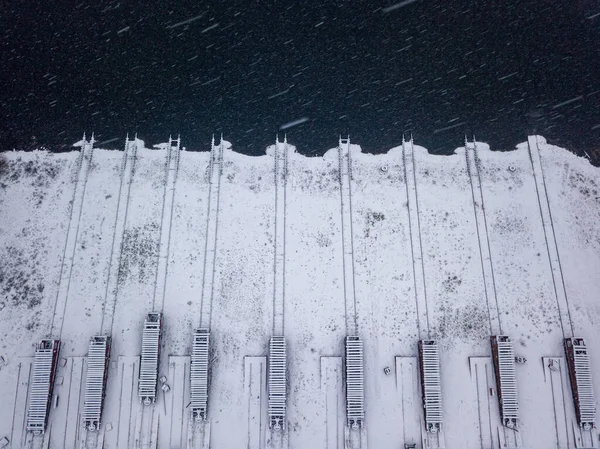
[(95, 381), (431, 386), (150, 358), (355, 385), (503, 354), (199, 374), (277, 382), (580, 373), (42, 383)]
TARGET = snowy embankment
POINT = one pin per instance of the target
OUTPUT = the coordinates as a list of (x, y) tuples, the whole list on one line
[(411, 246)]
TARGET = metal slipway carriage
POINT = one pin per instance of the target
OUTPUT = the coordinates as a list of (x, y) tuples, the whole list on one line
[(97, 372), (580, 374), (150, 358), (95, 381), (578, 363), (42, 385), (46, 359)]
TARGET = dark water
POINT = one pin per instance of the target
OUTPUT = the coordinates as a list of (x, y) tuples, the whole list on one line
[(498, 69)]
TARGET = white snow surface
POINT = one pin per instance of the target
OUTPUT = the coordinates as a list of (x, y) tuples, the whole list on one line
[(37, 194)]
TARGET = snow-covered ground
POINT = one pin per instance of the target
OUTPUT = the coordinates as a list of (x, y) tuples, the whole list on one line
[(408, 246)]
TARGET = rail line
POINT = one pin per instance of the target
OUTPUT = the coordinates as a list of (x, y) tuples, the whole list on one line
[(215, 169), (503, 359), (162, 266), (416, 240), (281, 174), (145, 433), (145, 428), (87, 439), (198, 434), (66, 269), (558, 281), (70, 249), (112, 287), (487, 267), (91, 440), (355, 436), (345, 177), (147, 420), (276, 371)]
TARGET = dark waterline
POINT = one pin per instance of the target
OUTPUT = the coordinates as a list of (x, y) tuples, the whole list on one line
[(499, 70)]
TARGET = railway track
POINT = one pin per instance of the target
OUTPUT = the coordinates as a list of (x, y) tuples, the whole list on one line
[(473, 165), (581, 412), (87, 438), (355, 430), (146, 427), (276, 432), (502, 361), (171, 171), (558, 282), (215, 170), (143, 425), (42, 440), (281, 175), (91, 440), (145, 431), (416, 241), (127, 171), (198, 435), (345, 177), (66, 269)]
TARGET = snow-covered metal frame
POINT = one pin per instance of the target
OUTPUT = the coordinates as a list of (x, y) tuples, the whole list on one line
[(355, 389), (431, 385), (150, 358), (42, 384), (580, 373), (95, 381), (503, 354), (277, 382), (199, 374)]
